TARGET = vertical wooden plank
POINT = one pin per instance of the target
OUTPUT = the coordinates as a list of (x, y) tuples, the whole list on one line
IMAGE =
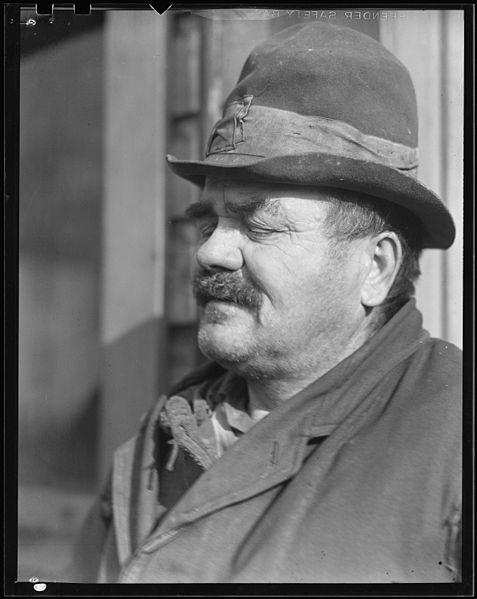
[(212, 95), (133, 222), (415, 38), (453, 190), (184, 74)]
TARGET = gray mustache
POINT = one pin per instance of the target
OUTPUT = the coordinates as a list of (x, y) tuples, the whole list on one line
[(226, 287)]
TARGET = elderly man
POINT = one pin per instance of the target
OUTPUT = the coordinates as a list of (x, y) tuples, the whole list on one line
[(322, 441)]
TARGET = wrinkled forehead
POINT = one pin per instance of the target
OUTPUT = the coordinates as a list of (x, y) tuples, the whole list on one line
[(245, 197), (236, 196)]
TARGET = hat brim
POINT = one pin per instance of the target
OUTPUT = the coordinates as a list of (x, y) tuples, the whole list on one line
[(325, 170)]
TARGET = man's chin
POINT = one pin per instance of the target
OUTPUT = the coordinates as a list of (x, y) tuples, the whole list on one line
[(222, 339)]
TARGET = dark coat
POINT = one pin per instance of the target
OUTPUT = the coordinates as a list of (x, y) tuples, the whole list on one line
[(355, 479)]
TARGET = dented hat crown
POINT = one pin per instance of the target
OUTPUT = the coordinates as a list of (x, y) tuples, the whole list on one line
[(326, 106)]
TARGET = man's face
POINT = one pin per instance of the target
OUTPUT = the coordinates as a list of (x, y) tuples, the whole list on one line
[(275, 294)]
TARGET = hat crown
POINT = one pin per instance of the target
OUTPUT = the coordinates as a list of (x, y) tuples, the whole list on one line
[(319, 69)]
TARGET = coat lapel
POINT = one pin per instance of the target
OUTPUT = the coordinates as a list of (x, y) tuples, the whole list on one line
[(135, 487), (258, 461)]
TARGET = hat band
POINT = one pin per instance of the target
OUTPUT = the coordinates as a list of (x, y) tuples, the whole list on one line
[(268, 132)]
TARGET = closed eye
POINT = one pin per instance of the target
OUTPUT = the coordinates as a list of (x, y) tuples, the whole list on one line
[(259, 232), (257, 229), (206, 227)]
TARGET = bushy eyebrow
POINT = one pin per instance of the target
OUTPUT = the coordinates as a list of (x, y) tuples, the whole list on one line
[(200, 210), (247, 205)]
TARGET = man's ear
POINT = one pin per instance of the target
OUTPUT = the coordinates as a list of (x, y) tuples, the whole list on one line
[(385, 252)]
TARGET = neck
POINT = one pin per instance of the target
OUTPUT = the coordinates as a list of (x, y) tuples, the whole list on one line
[(268, 395), (268, 392)]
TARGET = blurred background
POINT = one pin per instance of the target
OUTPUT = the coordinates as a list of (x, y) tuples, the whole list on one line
[(106, 317)]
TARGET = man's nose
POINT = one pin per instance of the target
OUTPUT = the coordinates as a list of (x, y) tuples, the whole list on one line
[(221, 250)]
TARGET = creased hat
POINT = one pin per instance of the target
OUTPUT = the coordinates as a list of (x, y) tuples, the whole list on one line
[(326, 106)]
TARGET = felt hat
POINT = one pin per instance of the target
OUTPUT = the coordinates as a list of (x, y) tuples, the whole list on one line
[(326, 106)]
